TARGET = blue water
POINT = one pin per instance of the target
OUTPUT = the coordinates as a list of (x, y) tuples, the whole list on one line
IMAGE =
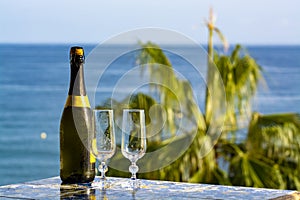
[(33, 87)]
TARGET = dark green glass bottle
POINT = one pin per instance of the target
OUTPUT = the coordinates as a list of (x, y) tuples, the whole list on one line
[(77, 165)]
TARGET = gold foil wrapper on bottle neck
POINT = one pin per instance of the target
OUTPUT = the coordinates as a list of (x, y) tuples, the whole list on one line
[(77, 54)]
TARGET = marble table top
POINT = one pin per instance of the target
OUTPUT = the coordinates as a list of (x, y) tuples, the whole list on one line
[(51, 188)]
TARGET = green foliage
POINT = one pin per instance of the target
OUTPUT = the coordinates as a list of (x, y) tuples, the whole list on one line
[(176, 95), (240, 76), (246, 169), (277, 137), (268, 157)]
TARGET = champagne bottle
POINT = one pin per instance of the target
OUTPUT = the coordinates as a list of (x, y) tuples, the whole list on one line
[(77, 164)]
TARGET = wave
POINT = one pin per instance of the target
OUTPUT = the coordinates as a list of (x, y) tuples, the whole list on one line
[(34, 88), (277, 69)]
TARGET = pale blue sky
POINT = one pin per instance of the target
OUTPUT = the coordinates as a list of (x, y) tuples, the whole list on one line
[(93, 21)]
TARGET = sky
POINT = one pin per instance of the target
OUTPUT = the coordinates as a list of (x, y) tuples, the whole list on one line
[(94, 21)]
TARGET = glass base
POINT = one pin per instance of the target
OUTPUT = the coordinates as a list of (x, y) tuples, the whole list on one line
[(135, 184), (129, 184), (101, 184)]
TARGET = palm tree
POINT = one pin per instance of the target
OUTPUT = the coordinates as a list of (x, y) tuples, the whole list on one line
[(191, 166), (240, 75), (269, 155), (179, 102), (202, 169)]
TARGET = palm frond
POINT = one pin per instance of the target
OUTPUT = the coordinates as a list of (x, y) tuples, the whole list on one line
[(250, 170), (277, 137), (241, 76), (222, 38), (171, 89)]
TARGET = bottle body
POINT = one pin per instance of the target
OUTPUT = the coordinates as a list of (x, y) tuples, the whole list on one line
[(77, 165)]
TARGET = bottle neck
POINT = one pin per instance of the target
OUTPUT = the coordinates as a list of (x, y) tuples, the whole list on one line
[(77, 85)]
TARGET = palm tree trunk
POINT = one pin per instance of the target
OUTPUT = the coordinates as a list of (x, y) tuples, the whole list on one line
[(209, 78)]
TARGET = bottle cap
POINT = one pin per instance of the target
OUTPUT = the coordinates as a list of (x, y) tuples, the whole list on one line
[(77, 54), (76, 51)]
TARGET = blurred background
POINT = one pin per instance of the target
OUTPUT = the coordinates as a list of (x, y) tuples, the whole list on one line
[(34, 67)]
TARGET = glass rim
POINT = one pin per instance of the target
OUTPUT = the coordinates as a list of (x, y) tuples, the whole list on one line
[(109, 110), (133, 110)]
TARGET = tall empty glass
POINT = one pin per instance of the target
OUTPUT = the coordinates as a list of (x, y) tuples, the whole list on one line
[(133, 144), (104, 145)]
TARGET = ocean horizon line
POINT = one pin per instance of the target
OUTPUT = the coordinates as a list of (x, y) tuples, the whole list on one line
[(217, 45)]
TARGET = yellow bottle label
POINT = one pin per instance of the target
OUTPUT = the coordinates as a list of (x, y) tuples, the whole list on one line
[(78, 101), (94, 149), (92, 159)]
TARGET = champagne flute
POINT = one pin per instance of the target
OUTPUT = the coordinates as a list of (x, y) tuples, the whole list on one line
[(104, 145), (133, 144)]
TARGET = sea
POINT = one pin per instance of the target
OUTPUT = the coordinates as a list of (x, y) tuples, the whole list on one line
[(34, 81)]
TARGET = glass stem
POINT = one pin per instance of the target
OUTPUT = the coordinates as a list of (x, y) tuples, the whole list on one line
[(102, 168), (133, 176), (133, 169)]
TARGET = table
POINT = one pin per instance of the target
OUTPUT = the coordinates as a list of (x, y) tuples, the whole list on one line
[(51, 188)]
